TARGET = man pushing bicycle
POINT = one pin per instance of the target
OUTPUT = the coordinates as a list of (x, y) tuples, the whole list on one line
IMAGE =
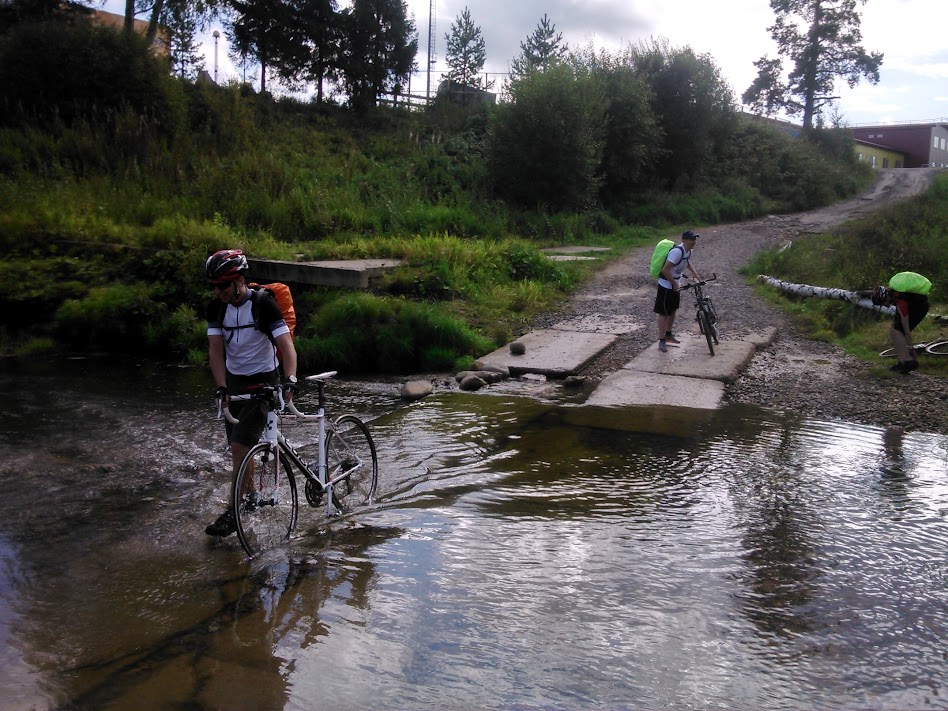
[(668, 298), (248, 342)]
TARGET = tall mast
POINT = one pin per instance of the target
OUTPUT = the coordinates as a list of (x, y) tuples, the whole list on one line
[(432, 42)]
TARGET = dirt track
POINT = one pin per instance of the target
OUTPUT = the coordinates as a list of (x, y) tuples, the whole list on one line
[(793, 374)]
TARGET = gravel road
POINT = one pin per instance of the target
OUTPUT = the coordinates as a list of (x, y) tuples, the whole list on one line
[(793, 374)]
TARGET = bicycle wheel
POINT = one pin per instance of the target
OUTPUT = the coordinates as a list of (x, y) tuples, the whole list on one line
[(939, 348), (265, 500), (918, 348), (705, 326), (349, 448)]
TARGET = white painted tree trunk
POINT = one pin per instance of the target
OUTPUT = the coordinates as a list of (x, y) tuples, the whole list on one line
[(823, 292)]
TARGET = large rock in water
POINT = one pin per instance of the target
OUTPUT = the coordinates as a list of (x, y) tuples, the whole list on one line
[(472, 382), (416, 389)]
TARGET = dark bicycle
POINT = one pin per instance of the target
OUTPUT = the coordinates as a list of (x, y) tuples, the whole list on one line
[(705, 314)]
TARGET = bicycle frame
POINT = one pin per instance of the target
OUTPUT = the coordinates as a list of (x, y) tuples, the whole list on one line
[(705, 314), (265, 499), (278, 443)]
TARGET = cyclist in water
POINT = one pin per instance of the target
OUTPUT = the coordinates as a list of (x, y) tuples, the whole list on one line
[(242, 355), (668, 298)]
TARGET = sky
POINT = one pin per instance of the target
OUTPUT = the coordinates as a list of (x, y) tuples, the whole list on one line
[(911, 34)]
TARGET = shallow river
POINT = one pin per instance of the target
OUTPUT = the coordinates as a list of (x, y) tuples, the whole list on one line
[(523, 555)]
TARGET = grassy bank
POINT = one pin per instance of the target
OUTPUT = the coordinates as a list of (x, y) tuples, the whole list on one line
[(107, 213), (911, 236)]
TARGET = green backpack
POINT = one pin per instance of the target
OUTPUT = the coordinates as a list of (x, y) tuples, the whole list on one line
[(910, 283), (659, 257)]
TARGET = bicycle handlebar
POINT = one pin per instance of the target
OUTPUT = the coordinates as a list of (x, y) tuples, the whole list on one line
[(224, 411), (693, 284)]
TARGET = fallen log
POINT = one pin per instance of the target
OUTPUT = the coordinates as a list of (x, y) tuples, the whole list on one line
[(853, 297)]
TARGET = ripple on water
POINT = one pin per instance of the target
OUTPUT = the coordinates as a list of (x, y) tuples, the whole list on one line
[(748, 559)]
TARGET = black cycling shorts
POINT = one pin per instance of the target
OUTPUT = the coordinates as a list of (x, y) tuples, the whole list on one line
[(251, 413), (667, 301), (253, 419)]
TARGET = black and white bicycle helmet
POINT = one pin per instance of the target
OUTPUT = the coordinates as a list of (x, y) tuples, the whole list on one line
[(880, 296), (225, 265)]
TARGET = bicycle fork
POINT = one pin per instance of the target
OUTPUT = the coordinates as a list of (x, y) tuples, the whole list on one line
[(322, 461), (271, 437)]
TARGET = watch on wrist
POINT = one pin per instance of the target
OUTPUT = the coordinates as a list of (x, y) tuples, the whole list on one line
[(291, 379)]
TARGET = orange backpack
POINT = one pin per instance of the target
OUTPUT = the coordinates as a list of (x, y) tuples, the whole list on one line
[(284, 298)]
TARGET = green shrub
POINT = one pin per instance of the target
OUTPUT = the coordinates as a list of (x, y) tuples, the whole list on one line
[(545, 146), (180, 333), (361, 332), (80, 70), (114, 317)]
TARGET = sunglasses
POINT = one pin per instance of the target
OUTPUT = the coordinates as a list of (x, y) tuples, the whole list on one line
[(221, 285)]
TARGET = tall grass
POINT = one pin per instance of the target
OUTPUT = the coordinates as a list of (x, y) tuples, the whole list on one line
[(910, 236)]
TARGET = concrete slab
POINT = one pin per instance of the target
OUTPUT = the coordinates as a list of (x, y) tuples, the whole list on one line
[(574, 249), (616, 325), (341, 273), (653, 419), (627, 388), (762, 339), (692, 360), (552, 353)]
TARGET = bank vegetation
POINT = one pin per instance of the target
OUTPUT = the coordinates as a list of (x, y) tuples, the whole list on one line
[(117, 180)]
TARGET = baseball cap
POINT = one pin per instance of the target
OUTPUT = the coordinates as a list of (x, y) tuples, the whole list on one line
[(689, 235)]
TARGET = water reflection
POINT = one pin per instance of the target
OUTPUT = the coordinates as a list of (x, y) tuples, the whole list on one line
[(244, 633), (523, 554)]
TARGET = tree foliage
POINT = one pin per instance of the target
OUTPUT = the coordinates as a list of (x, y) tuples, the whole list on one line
[(542, 49), (378, 50), (320, 41), (261, 29), (368, 47), (466, 53), (821, 40), (694, 107), (183, 21), (57, 56), (633, 138), (545, 146), (15, 12)]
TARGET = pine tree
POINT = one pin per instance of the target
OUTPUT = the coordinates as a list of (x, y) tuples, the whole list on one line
[(828, 47), (318, 23), (466, 53), (183, 21), (259, 29), (542, 49)]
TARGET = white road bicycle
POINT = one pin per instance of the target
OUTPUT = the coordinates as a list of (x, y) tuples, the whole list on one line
[(936, 348), (344, 476)]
